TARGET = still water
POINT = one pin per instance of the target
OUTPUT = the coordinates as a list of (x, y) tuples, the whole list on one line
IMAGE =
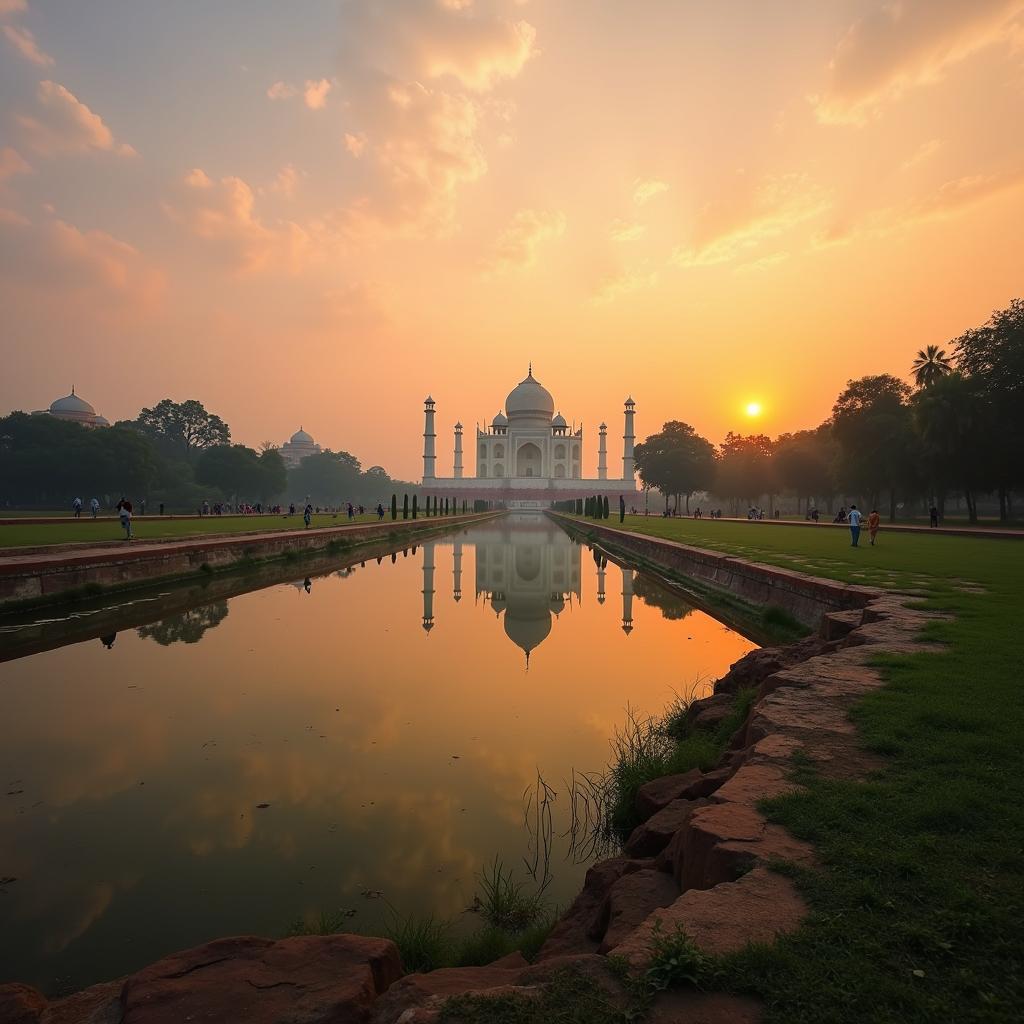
[(360, 739)]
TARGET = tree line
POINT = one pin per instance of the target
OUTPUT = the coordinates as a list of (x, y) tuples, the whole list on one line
[(177, 453), (956, 433)]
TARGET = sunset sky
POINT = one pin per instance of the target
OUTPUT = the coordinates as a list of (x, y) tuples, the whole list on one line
[(316, 213)]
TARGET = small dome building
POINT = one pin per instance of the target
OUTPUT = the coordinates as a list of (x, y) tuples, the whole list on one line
[(298, 447), (74, 409)]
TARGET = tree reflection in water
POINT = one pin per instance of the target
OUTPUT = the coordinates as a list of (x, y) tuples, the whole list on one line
[(187, 627), (672, 606)]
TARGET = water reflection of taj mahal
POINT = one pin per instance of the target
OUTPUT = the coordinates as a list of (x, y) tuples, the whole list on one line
[(528, 572)]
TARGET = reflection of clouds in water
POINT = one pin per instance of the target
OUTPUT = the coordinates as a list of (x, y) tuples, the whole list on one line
[(342, 715)]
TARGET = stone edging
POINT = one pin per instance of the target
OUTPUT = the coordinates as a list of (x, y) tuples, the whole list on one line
[(38, 578)]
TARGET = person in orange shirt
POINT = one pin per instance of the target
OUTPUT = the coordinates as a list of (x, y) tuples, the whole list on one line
[(874, 521)]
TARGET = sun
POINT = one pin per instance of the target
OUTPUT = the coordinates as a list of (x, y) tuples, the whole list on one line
[(753, 409)]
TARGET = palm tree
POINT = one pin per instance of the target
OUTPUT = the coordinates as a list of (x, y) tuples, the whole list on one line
[(931, 364)]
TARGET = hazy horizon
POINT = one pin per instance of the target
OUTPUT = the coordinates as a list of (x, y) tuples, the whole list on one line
[(318, 218)]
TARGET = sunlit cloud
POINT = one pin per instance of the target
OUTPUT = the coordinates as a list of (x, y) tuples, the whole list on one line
[(12, 163), (518, 245), (285, 181), (922, 154), (314, 94), (56, 258), (626, 231), (25, 43), (223, 215), (412, 76), (63, 124), (12, 6), (896, 47), (737, 223), (644, 191), (950, 199), (281, 91), (625, 282)]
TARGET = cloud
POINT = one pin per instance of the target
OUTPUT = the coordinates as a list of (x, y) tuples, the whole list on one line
[(355, 144), (472, 43), (518, 244), (281, 91), (63, 124), (644, 191), (951, 198), (923, 153), (632, 279), (734, 225), (11, 163), (286, 180), (25, 43), (58, 258), (899, 46), (315, 93), (412, 77), (625, 231), (222, 213), (12, 6)]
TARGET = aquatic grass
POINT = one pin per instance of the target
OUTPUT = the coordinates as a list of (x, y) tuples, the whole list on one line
[(424, 943), (503, 901), (648, 747)]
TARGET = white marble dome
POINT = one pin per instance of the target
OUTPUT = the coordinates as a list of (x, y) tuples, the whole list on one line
[(74, 409), (530, 400), (301, 437)]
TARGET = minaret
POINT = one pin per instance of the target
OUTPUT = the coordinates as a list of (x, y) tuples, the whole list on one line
[(428, 586), (429, 456), (458, 451), (628, 463), (457, 570), (601, 564), (602, 452), (627, 600)]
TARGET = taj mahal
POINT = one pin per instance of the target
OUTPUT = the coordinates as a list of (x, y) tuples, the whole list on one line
[(529, 456)]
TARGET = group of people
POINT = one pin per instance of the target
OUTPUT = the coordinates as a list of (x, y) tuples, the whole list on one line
[(94, 507), (854, 516)]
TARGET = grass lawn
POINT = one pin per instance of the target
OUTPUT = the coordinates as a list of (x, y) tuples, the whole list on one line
[(151, 527), (918, 914)]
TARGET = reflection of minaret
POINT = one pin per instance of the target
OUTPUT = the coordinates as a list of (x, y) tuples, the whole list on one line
[(601, 563), (627, 600), (428, 586), (457, 570)]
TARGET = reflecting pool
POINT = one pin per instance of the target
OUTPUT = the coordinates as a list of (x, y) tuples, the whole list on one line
[(175, 768)]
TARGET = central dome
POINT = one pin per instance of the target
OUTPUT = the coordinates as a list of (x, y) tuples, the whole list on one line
[(301, 437), (529, 400)]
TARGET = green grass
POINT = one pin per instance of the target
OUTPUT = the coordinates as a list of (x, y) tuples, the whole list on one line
[(153, 528), (918, 912)]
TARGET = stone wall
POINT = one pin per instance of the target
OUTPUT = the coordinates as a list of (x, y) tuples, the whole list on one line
[(806, 598), (39, 575)]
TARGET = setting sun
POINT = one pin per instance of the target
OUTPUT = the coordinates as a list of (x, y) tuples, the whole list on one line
[(753, 409)]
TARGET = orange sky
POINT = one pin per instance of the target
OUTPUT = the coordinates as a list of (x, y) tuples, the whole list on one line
[(318, 220)]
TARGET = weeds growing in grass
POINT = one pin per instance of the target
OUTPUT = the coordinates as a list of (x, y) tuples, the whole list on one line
[(424, 943)]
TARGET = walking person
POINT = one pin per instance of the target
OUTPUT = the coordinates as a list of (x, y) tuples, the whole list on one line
[(933, 517), (76, 507), (307, 515), (853, 518), (94, 507), (874, 521), (124, 511)]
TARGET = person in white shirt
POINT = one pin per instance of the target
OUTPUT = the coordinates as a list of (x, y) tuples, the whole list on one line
[(853, 518)]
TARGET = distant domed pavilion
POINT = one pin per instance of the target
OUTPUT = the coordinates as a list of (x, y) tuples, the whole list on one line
[(298, 448), (74, 409)]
